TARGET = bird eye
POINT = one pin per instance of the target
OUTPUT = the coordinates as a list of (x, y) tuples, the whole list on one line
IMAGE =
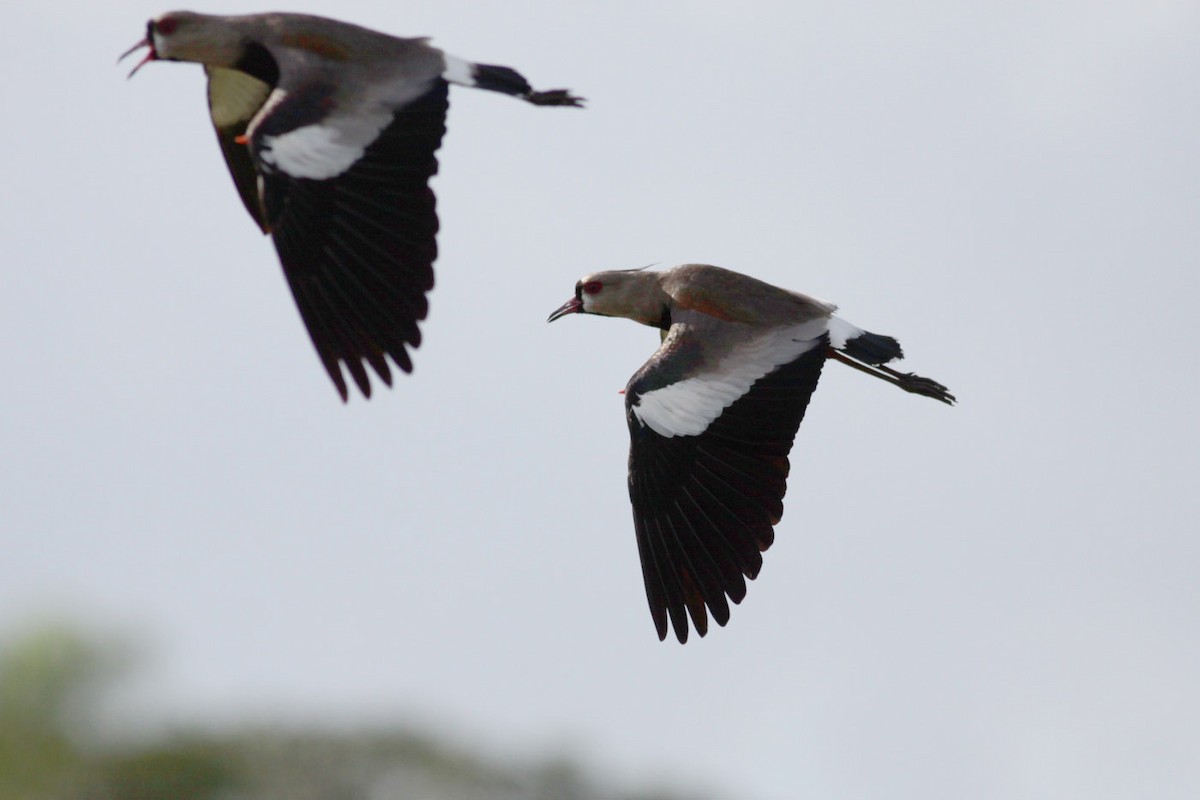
[(593, 287), (166, 26)]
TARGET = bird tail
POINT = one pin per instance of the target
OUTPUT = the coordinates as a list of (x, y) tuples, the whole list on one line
[(864, 346), (508, 81), (869, 352), (872, 348)]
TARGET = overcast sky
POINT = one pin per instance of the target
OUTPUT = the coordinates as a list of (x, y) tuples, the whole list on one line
[(997, 600)]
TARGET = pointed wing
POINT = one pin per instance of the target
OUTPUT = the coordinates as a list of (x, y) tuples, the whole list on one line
[(347, 200), (708, 461), (233, 99)]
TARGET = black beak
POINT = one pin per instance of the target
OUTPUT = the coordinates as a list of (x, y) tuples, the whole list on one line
[(572, 306)]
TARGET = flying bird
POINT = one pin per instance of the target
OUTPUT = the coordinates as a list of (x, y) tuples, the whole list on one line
[(712, 416), (330, 132)]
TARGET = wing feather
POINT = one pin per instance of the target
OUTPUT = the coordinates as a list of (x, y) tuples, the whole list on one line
[(358, 247), (705, 502)]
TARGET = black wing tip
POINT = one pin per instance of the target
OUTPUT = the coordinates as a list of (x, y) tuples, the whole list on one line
[(717, 608), (361, 377), (679, 622), (700, 625), (720, 614)]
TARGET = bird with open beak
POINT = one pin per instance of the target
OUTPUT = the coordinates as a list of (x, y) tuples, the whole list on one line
[(330, 132)]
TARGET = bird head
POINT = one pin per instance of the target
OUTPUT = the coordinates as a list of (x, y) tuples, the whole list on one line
[(631, 293), (187, 36)]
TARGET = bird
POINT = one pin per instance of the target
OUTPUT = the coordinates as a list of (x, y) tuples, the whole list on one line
[(330, 132), (712, 417)]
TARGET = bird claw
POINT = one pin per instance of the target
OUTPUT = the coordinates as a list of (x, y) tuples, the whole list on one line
[(554, 97), (917, 384)]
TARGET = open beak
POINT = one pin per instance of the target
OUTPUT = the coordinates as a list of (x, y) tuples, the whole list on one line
[(572, 306), (150, 56)]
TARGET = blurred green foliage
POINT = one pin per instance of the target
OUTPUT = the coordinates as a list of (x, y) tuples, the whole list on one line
[(53, 747)]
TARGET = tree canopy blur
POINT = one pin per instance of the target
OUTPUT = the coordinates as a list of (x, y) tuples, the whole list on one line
[(53, 746)]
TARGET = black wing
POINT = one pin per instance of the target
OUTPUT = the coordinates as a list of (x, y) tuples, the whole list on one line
[(358, 248), (704, 505)]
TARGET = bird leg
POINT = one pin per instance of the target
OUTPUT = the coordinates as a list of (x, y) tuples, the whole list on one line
[(907, 381)]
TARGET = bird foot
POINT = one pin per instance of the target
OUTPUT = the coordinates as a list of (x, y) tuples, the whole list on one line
[(911, 382), (554, 97)]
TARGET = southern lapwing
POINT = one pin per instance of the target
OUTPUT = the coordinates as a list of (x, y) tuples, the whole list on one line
[(712, 416), (330, 132)]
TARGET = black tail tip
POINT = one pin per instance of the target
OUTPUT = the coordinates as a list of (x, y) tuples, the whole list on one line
[(507, 80), (872, 348)]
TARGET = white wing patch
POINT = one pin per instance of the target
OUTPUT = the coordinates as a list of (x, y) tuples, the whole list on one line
[(314, 151), (322, 150), (688, 407)]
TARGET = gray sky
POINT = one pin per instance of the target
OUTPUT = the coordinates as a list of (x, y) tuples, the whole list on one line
[(993, 601)]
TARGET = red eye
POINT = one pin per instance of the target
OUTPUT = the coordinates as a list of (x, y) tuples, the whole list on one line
[(593, 287), (166, 26)]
